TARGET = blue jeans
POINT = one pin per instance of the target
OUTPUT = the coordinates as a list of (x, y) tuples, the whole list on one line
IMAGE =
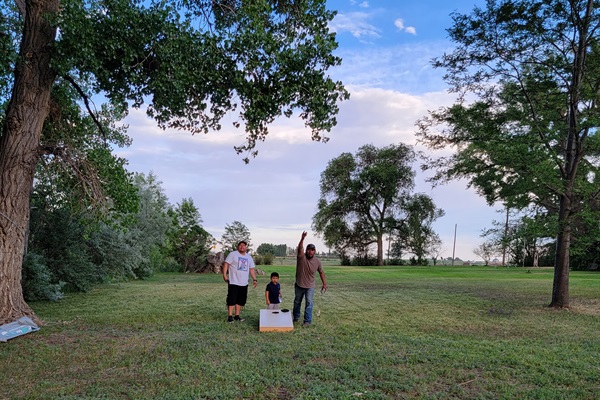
[(301, 292)]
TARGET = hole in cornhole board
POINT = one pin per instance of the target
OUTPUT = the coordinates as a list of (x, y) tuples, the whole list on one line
[(275, 321)]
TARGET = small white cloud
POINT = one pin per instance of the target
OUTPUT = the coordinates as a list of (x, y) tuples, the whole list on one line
[(399, 23), (364, 4)]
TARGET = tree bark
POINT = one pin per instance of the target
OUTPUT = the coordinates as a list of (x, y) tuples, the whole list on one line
[(560, 286), (19, 150), (380, 249)]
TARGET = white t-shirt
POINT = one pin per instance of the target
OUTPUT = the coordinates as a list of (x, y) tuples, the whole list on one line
[(239, 268)]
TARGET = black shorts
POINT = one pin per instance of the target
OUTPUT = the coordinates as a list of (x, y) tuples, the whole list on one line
[(237, 295)]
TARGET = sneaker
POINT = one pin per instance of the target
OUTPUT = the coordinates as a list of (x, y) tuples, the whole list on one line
[(238, 319), (305, 325), (230, 319), (295, 320)]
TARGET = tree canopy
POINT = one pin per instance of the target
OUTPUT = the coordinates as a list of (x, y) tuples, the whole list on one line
[(278, 250), (189, 242), (525, 124), (365, 196), (235, 233)]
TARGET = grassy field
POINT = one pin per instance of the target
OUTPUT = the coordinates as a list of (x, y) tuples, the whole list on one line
[(381, 333)]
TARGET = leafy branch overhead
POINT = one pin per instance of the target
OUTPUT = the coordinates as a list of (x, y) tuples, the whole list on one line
[(196, 61)]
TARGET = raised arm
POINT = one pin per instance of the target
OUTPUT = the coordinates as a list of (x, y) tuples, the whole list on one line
[(300, 250)]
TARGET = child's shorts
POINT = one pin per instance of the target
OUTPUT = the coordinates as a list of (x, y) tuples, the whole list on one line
[(273, 306)]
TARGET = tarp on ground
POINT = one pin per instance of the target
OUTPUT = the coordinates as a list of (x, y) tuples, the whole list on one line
[(17, 328)]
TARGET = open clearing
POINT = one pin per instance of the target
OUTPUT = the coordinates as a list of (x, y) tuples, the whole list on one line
[(381, 333)]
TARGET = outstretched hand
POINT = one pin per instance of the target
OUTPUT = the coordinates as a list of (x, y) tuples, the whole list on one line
[(304, 235)]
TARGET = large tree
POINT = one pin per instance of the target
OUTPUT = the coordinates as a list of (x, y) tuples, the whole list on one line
[(417, 225), (189, 242), (235, 233), (364, 196), (192, 61), (524, 126)]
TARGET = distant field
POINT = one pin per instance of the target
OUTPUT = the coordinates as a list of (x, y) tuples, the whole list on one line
[(333, 261), (382, 333)]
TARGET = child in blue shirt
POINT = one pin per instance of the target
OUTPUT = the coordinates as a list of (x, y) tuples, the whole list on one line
[(273, 292)]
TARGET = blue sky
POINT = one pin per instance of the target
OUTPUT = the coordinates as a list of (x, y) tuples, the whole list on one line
[(386, 47)]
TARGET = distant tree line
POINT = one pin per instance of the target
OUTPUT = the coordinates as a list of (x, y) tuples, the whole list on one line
[(277, 250)]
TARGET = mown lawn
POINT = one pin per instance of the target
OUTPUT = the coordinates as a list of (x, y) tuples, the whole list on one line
[(381, 333)]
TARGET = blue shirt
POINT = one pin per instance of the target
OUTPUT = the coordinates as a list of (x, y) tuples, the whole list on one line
[(273, 290)]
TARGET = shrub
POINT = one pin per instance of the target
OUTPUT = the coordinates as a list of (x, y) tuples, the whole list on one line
[(268, 259), (395, 261), (364, 261), (37, 280)]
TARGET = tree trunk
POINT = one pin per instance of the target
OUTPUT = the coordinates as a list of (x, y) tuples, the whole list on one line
[(560, 286), (573, 155), (380, 249), (19, 150)]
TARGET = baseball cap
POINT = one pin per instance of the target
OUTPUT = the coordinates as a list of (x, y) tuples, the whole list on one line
[(310, 247)]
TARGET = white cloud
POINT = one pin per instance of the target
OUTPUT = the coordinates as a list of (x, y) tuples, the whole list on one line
[(405, 67), (399, 23), (355, 23), (364, 4)]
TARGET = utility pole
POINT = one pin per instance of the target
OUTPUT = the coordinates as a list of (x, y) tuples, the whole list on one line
[(504, 239), (454, 245)]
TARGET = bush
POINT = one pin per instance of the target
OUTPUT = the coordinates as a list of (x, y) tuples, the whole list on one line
[(258, 260), (416, 261), (37, 280), (160, 261), (364, 261), (268, 259), (395, 261)]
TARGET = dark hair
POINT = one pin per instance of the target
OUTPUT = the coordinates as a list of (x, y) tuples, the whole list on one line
[(274, 274)]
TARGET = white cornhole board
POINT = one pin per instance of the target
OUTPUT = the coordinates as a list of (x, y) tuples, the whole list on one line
[(275, 321)]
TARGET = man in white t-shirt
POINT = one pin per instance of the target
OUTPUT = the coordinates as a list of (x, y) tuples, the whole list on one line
[(239, 265)]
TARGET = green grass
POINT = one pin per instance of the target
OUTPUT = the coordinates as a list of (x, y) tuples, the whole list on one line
[(382, 333)]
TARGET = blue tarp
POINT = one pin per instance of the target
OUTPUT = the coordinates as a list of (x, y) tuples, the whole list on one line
[(17, 328)]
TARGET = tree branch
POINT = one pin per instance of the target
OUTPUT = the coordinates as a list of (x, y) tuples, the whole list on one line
[(86, 101)]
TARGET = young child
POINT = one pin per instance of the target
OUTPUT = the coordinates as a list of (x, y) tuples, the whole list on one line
[(273, 292)]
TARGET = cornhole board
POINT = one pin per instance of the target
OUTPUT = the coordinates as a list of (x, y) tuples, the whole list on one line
[(275, 321)]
